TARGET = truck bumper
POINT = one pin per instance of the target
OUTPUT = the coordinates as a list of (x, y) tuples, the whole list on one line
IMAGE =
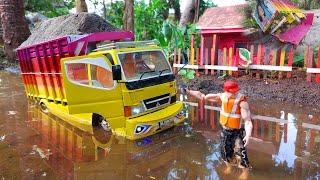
[(155, 122)]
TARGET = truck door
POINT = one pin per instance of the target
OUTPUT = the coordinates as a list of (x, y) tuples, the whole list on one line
[(90, 88)]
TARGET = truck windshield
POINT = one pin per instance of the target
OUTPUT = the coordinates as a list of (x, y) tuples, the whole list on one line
[(144, 64)]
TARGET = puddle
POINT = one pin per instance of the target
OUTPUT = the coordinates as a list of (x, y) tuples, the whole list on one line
[(285, 144)]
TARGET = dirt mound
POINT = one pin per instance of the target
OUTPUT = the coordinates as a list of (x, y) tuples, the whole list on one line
[(74, 24)]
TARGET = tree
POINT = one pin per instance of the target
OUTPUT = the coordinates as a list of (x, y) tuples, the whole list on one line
[(81, 6), (14, 25), (49, 8), (193, 10), (128, 17)]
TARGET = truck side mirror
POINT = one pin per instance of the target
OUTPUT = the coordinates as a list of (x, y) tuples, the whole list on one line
[(116, 72)]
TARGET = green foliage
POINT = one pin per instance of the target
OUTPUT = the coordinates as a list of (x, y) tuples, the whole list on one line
[(187, 75), (50, 8), (114, 13), (148, 18), (204, 5)]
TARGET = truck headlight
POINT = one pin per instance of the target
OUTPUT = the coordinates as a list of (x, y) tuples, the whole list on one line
[(133, 110), (137, 109)]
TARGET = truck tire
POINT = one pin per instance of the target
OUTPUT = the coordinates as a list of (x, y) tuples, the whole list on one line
[(99, 121), (43, 107)]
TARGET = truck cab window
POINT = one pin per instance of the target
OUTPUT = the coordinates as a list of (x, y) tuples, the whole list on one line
[(97, 74)]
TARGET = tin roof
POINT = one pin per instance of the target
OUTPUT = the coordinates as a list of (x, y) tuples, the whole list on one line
[(222, 17)]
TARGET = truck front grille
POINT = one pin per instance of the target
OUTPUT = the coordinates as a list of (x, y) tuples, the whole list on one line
[(155, 102)]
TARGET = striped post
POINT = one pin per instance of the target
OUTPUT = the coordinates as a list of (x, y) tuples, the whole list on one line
[(259, 56), (282, 57), (309, 64), (230, 63), (174, 59), (201, 50), (318, 66), (206, 59), (290, 61), (213, 52), (236, 74), (224, 59)]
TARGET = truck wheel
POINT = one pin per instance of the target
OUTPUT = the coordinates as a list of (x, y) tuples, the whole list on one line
[(101, 122), (44, 108)]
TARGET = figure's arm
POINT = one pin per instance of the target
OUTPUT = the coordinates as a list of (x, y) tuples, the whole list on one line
[(213, 97), (246, 116), (196, 94)]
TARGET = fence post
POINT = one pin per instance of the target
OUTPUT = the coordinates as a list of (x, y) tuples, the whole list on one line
[(251, 52), (219, 61), (290, 61), (309, 64), (198, 60), (192, 49), (306, 56), (259, 60), (230, 60), (213, 52), (318, 66), (236, 74), (179, 56), (224, 59), (174, 59), (282, 57), (206, 59), (266, 61)]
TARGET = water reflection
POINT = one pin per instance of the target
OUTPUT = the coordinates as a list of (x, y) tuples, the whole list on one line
[(34, 145), (284, 145)]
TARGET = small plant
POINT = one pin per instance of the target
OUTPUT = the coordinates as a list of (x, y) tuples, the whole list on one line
[(186, 75)]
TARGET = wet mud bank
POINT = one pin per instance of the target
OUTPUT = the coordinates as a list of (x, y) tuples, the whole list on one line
[(295, 90)]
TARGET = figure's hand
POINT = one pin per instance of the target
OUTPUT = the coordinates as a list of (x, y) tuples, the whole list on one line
[(246, 140)]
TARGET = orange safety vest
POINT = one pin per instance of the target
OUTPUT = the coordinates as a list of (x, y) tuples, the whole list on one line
[(230, 114)]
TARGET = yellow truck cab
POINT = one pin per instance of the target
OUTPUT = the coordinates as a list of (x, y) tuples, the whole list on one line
[(127, 87)]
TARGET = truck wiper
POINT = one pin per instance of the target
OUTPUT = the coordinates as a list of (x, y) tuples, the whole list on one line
[(145, 73), (163, 71)]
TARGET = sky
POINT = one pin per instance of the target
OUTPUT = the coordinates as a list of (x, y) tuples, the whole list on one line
[(182, 3)]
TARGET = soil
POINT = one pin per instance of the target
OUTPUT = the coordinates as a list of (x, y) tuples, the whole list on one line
[(74, 24), (295, 90)]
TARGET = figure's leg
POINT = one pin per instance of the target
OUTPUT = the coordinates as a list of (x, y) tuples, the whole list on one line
[(226, 150), (242, 156)]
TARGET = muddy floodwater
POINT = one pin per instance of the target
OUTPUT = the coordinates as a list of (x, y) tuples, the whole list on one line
[(34, 145)]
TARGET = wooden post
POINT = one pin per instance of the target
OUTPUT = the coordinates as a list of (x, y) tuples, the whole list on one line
[(306, 56), (192, 49), (236, 73), (212, 121), (213, 52), (206, 58), (179, 56), (201, 50), (318, 66), (251, 52), (290, 61), (224, 59), (282, 57), (197, 60), (230, 63), (310, 64), (219, 61), (174, 59), (259, 56), (266, 62)]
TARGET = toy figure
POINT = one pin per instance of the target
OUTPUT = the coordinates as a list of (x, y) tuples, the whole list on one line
[(234, 139)]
